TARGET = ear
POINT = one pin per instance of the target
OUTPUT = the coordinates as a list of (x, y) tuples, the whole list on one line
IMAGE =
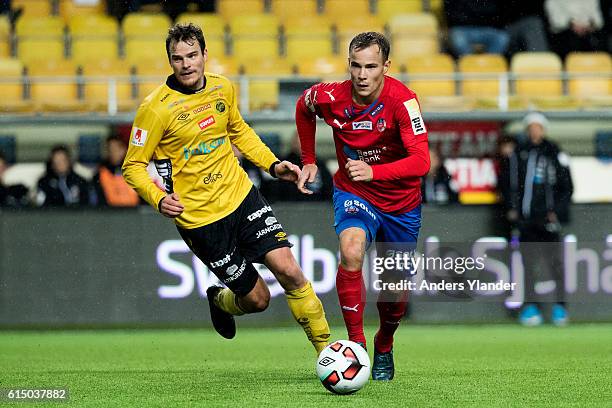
[(386, 66), (205, 54)]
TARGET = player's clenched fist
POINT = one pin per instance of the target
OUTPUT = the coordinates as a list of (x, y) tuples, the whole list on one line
[(171, 206), (309, 174), (358, 170)]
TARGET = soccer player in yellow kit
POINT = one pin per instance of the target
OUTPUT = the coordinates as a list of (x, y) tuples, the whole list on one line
[(187, 126)]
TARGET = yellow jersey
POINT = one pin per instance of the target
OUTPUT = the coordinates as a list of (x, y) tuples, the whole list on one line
[(189, 136)]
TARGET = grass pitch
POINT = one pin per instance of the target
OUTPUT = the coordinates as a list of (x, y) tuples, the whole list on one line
[(435, 366)]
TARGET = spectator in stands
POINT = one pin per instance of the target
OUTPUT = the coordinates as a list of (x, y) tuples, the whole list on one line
[(61, 186), (536, 187), (120, 8), (13, 195), (525, 26), (322, 188), (575, 26), (109, 186), (437, 186), (475, 25)]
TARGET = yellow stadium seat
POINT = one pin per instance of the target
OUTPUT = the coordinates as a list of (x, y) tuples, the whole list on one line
[(247, 48), (346, 9), (146, 26), (211, 24), (5, 37), (215, 47), (100, 78), (54, 86), (12, 86), (32, 51), (404, 48), (33, 8), (231, 8), (284, 9), (346, 29), (224, 66), (590, 74), (307, 37), (264, 92), (68, 9), (49, 26), (146, 49), (419, 24), (385, 9), (482, 72), (151, 73), (327, 68), (93, 25), (537, 74), (93, 49), (254, 25), (431, 75)]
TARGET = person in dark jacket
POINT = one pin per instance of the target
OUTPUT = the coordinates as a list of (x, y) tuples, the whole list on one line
[(15, 195), (536, 187), (60, 186), (437, 186)]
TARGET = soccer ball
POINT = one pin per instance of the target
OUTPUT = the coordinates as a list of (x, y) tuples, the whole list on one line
[(343, 367)]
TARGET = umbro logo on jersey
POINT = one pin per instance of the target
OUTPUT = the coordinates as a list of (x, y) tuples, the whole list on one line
[(183, 116), (366, 124)]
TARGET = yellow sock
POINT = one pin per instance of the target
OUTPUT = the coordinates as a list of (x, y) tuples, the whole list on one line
[(227, 301), (308, 311)]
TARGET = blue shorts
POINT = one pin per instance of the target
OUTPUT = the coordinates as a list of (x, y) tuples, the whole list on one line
[(353, 211)]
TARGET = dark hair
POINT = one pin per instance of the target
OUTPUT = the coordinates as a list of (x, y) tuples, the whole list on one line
[(113, 137), (364, 40), (185, 32)]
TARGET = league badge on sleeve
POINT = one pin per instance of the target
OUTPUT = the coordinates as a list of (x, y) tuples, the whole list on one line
[(412, 106), (139, 136)]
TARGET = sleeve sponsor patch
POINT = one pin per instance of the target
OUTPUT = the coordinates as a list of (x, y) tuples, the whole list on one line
[(139, 136), (416, 120)]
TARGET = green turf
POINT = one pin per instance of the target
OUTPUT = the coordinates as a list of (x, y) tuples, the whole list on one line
[(436, 366)]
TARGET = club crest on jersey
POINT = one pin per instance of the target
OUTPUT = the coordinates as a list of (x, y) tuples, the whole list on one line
[(220, 107), (139, 136), (381, 125), (364, 125)]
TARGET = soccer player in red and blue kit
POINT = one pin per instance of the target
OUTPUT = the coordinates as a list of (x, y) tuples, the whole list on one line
[(382, 151)]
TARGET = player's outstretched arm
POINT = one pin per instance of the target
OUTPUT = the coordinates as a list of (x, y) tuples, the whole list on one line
[(287, 171), (309, 173)]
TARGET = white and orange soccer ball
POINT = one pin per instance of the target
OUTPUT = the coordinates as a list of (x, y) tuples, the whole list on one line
[(343, 367)]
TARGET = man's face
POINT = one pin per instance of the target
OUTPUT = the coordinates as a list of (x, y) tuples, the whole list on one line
[(60, 163), (535, 132), (187, 62), (367, 70)]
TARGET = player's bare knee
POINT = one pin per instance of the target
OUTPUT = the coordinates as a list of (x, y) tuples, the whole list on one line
[(351, 255)]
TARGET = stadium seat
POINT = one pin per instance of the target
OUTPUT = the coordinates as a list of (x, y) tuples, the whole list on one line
[(151, 73), (5, 37), (96, 78), (590, 77), (346, 29), (264, 92), (210, 23), (307, 37), (33, 51), (285, 9), (93, 26), (146, 26), (255, 36), (48, 26), (385, 9), (537, 73), (481, 81), (346, 9), (333, 68), (54, 86), (231, 8), (413, 35), (69, 9), (146, 50), (93, 49), (33, 8), (225, 66), (12, 86), (432, 78)]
